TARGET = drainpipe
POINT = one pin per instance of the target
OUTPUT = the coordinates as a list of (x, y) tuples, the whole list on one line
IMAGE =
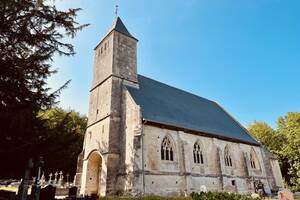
[(143, 157)]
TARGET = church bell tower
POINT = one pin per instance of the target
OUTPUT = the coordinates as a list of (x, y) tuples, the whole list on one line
[(115, 64)]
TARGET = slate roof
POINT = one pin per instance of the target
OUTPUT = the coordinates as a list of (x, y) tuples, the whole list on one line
[(120, 27), (167, 105)]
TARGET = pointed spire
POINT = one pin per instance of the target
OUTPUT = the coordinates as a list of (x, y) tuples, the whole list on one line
[(120, 27)]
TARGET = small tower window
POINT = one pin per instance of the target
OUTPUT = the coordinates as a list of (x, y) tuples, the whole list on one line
[(198, 154), (167, 150), (227, 157)]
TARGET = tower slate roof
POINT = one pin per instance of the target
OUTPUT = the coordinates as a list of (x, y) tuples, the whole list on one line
[(163, 104), (120, 27)]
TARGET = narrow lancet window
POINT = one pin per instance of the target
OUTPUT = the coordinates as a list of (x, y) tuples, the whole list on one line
[(167, 150), (227, 157), (253, 160), (198, 154)]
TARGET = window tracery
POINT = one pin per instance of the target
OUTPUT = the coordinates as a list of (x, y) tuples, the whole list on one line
[(254, 163), (167, 152), (198, 154), (227, 157)]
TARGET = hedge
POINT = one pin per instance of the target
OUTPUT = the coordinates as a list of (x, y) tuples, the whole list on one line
[(220, 196)]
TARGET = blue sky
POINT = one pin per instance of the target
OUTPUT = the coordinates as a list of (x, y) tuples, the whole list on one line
[(243, 54)]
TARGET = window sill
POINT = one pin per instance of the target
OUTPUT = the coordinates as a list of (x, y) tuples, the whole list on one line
[(199, 164), (168, 161)]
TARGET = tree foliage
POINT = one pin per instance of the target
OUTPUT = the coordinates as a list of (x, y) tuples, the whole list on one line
[(289, 126), (270, 138), (284, 141), (31, 33), (62, 140)]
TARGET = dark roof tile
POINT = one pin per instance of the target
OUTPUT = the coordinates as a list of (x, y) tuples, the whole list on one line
[(171, 106), (120, 27)]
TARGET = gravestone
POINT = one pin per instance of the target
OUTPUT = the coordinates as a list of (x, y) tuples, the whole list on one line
[(60, 179), (43, 179), (72, 191), (55, 178), (285, 195), (7, 195), (36, 187), (50, 179), (203, 188), (47, 193)]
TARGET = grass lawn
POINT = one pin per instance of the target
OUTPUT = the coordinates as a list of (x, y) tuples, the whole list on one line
[(13, 189)]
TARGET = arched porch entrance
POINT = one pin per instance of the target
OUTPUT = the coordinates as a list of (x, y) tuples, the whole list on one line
[(94, 167)]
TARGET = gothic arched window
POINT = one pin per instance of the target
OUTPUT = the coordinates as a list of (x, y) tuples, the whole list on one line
[(253, 160), (198, 154), (167, 152), (227, 157)]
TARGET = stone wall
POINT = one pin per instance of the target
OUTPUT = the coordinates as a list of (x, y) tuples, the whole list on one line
[(129, 142), (184, 176), (125, 57), (103, 60)]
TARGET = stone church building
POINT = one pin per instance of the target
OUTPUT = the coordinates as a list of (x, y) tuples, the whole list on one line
[(146, 137)]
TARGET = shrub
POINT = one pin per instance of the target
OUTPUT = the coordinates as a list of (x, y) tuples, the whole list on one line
[(194, 196), (220, 196), (150, 197)]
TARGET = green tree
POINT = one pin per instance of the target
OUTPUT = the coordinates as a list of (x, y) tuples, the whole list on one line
[(263, 132), (273, 141), (269, 138), (284, 141), (289, 126), (31, 32), (62, 140)]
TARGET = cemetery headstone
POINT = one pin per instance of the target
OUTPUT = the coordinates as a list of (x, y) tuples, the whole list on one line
[(7, 195), (285, 195), (47, 193), (72, 191), (60, 179), (36, 187), (50, 179), (55, 178), (68, 175), (43, 180)]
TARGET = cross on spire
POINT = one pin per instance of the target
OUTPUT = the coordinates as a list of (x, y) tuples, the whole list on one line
[(116, 11)]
